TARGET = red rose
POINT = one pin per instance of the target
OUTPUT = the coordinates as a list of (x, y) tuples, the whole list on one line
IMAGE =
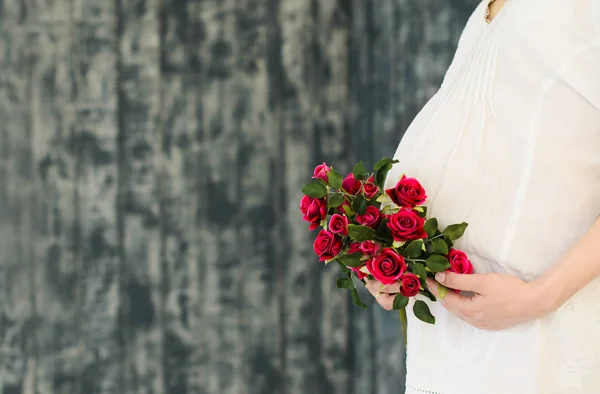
[(305, 202), (459, 262), (338, 224), (359, 273), (327, 245), (321, 172), (406, 225), (387, 267), (408, 192), (410, 285), (355, 247), (369, 248), (370, 190), (351, 184), (314, 211), (371, 217)]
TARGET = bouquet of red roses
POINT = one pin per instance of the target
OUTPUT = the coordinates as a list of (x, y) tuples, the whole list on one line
[(380, 234)]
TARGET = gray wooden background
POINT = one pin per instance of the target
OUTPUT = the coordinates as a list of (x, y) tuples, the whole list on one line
[(151, 157)]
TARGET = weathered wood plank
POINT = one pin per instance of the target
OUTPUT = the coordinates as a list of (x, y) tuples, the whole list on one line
[(185, 191), (259, 309), (331, 100), (144, 296), (57, 263), (19, 352), (220, 137), (301, 276), (99, 227)]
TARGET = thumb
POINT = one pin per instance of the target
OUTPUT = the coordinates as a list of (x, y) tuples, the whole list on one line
[(467, 282)]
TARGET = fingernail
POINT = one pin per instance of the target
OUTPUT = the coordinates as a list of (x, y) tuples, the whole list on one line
[(440, 276)]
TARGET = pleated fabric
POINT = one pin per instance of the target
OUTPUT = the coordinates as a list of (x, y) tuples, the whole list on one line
[(510, 143)]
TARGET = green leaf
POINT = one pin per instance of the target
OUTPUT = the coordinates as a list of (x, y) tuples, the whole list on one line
[(428, 294), (335, 200), (381, 174), (437, 263), (344, 283), (422, 211), (431, 227), (419, 270), (357, 300), (383, 232), (398, 244), (344, 268), (438, 245), (400, 301), (315, 189), (359, 171), (359, 205), (351, 260), (413, 250), (348, 211), (360, 233), (383, 162), (455, 231), (422, 312), (335, 179), (442, 291), (390, 209)]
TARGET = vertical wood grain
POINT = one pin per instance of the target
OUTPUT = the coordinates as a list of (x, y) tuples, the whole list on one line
[(19, 352), (57, 260), (99, 225), (142, 243)]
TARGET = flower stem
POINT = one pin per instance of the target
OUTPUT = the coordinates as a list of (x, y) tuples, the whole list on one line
[(404, 325)]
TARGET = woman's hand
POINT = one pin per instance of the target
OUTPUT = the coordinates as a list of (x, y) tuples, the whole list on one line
[(500, 301), (384, 295)]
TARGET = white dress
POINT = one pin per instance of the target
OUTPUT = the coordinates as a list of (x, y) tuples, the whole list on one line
[(511, 144)]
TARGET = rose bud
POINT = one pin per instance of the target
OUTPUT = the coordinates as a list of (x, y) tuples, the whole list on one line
[(459, 262), (410, 284), (351, 184), (406, 225), (370, 190), (359, 273), (321, 172), (371, 217), (314, 211), (338, 224), (387, 267), (355, 247), (408, 192), (369, 248), (327, 245)]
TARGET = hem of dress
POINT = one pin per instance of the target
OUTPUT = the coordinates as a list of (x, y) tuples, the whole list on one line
[(415, 390)]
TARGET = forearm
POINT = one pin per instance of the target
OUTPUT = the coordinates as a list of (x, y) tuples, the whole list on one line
[(577, 268)]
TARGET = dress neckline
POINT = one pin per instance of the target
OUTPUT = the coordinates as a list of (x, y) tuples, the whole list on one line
[(487, 12)]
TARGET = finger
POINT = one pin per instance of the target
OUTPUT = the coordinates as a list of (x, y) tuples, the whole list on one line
[(386, 300), (467, 282), (452, 301), (374, 286)]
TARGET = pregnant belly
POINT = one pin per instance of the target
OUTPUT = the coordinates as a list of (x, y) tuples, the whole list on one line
[(521, 216)]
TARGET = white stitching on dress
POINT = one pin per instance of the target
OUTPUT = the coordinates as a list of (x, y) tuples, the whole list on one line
[(421, 390)]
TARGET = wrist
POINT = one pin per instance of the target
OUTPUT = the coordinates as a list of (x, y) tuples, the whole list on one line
[(545, 295)]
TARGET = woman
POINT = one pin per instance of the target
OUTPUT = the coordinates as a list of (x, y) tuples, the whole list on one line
[(511, 144)]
